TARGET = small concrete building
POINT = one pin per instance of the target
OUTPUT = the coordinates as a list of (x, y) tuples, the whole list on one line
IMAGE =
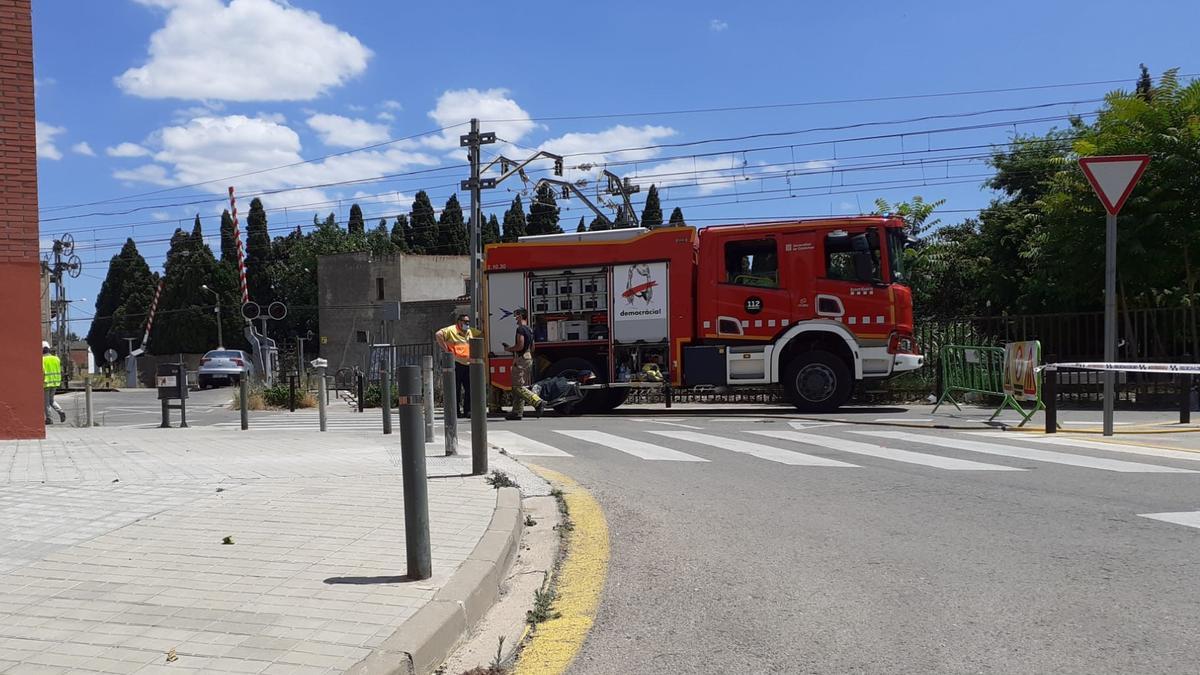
[(358, 292)]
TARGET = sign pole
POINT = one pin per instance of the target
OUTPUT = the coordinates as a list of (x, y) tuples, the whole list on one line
[(1113, 179), (1110, 318)]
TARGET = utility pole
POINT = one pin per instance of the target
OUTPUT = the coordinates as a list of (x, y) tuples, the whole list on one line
[(220, 338), (63, 247), (475, 185)]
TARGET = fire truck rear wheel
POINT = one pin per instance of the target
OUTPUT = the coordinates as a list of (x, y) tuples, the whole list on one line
[(817, 381)]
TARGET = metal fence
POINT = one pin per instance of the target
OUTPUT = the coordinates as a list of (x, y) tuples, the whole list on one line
[(402, 355), (1144, 335)]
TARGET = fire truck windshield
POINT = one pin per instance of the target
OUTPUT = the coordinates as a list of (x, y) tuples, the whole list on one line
[(897, 241)]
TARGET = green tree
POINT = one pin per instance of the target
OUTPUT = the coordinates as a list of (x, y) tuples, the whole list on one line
[(515, 225), (599, 223), (399, 234), (652, 215), (121, 304), (424, 226), (379, 240), (228, 238), (491, 231), (258, 254), (355, 224), (543, 212), (452, 238), (582, 227), (623, 220), (676, 218), (187, 323)]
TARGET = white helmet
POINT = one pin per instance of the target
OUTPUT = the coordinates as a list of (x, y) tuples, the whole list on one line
[(45, 345)]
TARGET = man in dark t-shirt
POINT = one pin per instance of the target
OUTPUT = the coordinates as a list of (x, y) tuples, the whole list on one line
[(522, 367)]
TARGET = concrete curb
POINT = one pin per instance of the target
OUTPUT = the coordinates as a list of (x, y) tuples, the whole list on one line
[(424, 641)]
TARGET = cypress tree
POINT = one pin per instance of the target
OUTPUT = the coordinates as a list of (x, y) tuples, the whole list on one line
[(228, 242), (515, 225), (581, 227), (652, 216), (400, 233), (1145, 86), (543, 212), (355, 224), (677, 218), (258, 254), (191, 327), (491, 231), (598, 224), (452, 238), (623, 220), (128, 279), (424, 226)]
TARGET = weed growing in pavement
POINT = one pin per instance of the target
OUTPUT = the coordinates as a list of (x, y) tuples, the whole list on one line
[(566, 525), (499, 479), (499, 658), (543, 600), (529, 521)]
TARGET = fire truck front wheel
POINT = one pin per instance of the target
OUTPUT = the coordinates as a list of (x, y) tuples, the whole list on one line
[(817, 381)]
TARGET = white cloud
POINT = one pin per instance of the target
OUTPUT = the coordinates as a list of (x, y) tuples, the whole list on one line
[(205, 109), (504, 116), (45, 134), (707, 174), (82, 148), (391, 104), (386, 116), (818, 164), (160, 215), (127, 149), (615, 144), (717, 25), (354, 107), (146, 173), (346, 132), (208, 148), (248, 50)]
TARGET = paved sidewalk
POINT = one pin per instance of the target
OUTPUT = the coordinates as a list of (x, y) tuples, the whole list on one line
[(111, 549)]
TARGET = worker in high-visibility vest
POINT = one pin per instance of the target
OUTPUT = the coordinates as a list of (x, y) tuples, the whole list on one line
[(455, 339), (51, 381)]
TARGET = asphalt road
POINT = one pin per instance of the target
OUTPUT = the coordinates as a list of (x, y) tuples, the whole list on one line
[(803, 547), (1013, 557)]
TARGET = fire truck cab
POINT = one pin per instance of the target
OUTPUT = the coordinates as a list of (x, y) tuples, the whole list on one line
[(811, 306)]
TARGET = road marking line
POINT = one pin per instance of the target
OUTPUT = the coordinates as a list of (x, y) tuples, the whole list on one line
[(673, 424), (904, 419), (577, 585), (632, 447), (759, 450), (1185, 518), (737, 419), (516, 444), (871, 450), (1027, 453), (814, 425), (1148, 450), (1076, 423)]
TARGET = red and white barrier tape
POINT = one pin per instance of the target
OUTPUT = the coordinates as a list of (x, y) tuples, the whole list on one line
[(1128, 367)]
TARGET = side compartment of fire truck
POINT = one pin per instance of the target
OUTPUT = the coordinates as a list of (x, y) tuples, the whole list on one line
[(610, 319)]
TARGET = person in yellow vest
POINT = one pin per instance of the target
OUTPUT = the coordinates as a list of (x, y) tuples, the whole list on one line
[(652, 371), (51, 381), (455, 339)]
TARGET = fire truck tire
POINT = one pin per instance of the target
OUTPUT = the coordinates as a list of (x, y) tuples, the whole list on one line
[(817, 382), (592, 400)]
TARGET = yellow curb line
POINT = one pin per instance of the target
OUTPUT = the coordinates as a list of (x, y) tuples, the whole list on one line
[(556, 643)]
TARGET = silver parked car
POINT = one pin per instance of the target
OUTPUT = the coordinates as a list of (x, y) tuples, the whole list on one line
[(225, 366)]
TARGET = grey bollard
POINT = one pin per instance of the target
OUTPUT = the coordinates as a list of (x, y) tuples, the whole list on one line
[(427, 395), (322, 396), (449, 405), (87, 399), (385, 398), (478, 394), (412, 467), (243, 394)]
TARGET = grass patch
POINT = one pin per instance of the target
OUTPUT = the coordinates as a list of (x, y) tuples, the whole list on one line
[(543, 607), (499, 479)]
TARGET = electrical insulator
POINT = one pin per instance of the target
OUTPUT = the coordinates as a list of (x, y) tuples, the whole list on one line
[(566, 192), (558, 167)]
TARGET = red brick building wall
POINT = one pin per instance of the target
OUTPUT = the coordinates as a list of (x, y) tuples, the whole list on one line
[(21, 412)]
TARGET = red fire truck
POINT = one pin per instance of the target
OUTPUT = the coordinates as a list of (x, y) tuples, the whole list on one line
[(811, 306)]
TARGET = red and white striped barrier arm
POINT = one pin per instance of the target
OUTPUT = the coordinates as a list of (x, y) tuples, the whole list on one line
[(153, 308), (241, 252)]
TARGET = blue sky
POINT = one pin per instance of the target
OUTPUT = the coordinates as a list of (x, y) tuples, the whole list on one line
[(141, 96)]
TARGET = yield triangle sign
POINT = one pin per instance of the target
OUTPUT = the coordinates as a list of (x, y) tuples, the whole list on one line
[(1113, 177)]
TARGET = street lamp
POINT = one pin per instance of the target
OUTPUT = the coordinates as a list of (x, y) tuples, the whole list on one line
[(217, 311)]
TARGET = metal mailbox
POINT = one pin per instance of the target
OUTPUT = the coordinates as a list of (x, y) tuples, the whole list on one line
[(171, 381)]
